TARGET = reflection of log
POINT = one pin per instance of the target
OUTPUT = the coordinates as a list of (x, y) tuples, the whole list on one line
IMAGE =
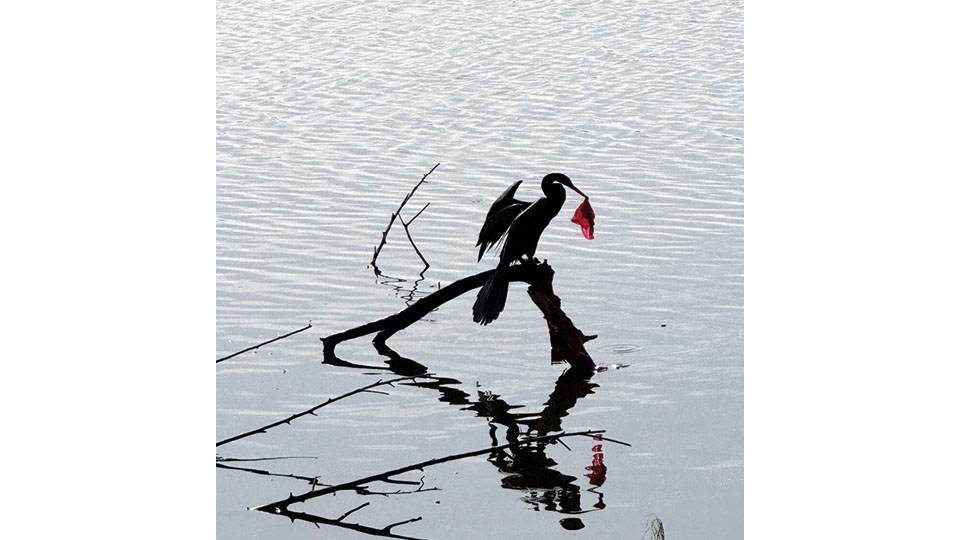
[(566, 339)]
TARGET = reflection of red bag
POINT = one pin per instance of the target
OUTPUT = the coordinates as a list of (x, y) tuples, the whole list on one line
[(584, 217), (598, 471)]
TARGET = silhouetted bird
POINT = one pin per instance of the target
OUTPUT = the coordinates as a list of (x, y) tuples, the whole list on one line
[(522, 223)]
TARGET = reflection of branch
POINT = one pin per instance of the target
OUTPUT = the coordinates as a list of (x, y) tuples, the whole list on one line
[(408, 295), (264, 343), (280, 507), (311, 410), (406, 225)]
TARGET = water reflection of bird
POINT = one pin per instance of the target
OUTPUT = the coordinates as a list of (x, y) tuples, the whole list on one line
[(519, 224)]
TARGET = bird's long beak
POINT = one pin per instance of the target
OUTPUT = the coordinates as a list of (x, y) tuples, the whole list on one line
[(582, 194)]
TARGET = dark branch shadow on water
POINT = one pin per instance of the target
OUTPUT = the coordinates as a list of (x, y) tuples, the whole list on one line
[(522, 453), (528, 467), (282, 507)]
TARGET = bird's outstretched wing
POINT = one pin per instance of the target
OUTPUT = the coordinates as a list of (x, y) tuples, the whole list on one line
[(501, 214)]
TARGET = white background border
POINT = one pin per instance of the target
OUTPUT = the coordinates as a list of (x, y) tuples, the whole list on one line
[(108, 216)]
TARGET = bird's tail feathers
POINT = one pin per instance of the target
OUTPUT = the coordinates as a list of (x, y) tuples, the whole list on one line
[(492, 296)]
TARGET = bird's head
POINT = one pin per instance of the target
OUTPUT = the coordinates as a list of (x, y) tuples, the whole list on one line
[(584, 216), (560, 178)]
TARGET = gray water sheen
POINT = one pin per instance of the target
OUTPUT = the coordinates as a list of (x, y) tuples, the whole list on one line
[(328, 113)]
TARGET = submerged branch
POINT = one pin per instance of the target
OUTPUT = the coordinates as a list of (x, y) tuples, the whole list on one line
[(311, 410), (229, 356)]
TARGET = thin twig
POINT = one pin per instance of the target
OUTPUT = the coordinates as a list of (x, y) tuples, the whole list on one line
[(314, 480), (402, 482), (341, 518), (406, 229), (311, 410), (264, 343), (228, 459), (601, 438), (393, 217), (365, 529), (421, 489), (418, 213), (280, 507), (388, 528)]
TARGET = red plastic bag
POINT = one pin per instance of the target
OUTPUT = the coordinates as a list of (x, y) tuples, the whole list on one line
[(584, 217)]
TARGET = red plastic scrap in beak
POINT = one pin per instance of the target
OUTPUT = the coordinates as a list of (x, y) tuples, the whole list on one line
[(584, 217)]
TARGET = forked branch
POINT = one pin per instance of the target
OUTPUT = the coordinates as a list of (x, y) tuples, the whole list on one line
[(406, 226)]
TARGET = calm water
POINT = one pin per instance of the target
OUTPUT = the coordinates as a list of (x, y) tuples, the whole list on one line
[(329, 112)]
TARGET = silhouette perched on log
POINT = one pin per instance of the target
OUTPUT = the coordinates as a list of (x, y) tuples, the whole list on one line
[(566, 339), (519, 225)]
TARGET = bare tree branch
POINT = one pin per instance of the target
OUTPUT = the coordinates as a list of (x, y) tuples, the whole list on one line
[(384, 532), (229, 459), (341, 518), (602, 438), (393, 217), (313, 480), (311, 410), (406, 229), (264, 343), (418, 213)]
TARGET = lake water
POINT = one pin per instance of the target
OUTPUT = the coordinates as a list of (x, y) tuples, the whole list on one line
[(328, 113)]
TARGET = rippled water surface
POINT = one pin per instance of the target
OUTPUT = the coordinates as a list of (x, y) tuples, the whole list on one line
[(328, 113)]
